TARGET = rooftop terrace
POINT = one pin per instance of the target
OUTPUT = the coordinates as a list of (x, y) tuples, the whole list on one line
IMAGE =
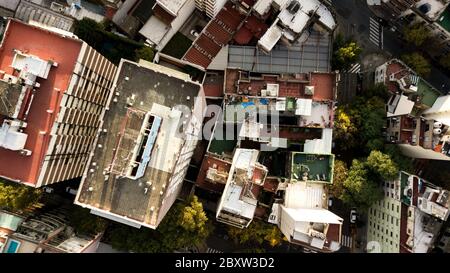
[(311, 55), (64, 51), (316, 86)]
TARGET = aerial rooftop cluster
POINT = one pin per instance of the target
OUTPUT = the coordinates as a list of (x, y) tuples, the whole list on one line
[(235, 101)]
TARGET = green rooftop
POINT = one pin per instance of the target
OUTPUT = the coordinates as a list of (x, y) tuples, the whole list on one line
[(312, 167), (428, 94), (444, 20)]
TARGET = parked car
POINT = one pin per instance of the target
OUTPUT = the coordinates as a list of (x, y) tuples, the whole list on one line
[(71, 191), (353, 216)]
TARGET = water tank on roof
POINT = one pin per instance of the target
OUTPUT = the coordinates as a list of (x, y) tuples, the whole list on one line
[(425, 8), (437, 131), (293, 7), (437, 124)]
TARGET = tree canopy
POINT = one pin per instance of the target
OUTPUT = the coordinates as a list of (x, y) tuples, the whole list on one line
[(185, 225), (345, 53), (339, 176), (418, 63), (416, 34), (256, 234), (361, 187), (145, 53), (383, 165), (86, 223), (16, 197), (360, 191), (110, 45), (359, 125)]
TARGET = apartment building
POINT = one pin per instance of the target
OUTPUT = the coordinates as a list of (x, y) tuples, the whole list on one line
[(52, 101), (294, 18), (270, 150), (168, 17), (141, 154), (210, 7), (418, 116), (409, 218)]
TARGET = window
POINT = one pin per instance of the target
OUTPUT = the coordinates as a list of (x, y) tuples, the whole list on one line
[(396, 222), (398, 208), (392, 206)]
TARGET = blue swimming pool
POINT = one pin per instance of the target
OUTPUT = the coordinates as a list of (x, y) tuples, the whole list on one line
[(13, 246)]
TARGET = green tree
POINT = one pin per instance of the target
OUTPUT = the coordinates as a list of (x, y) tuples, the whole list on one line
[(273, 236), (86, 223), (418, 63), (145, 53), (383, 165), (360, 190), (346, 55), (16, 197), (445, 61), (416, 34), (256, 234), (340, 173), (404, 163), (185, 225), (378, 90)]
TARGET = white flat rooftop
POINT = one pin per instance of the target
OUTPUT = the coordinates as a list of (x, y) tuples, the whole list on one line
[(270, 38), (404, 107), (304, 195), (172, 6), (313, 215)]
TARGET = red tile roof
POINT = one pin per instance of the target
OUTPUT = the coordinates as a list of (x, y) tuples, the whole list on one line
[(214, 36), (324, 85), (243, 36), (47, 46)]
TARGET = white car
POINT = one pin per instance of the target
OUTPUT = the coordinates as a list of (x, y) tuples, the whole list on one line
[(353, 216)]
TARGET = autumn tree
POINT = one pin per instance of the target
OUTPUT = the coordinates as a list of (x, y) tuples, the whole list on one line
[(340, 173), (416, 34), (360, 190), (16, 197), (256, 234), (383, 165), (362, 186), (345, 127), (345, 54), (418, 63)]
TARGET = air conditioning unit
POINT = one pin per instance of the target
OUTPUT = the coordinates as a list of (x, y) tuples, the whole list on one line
[(10, 79)]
